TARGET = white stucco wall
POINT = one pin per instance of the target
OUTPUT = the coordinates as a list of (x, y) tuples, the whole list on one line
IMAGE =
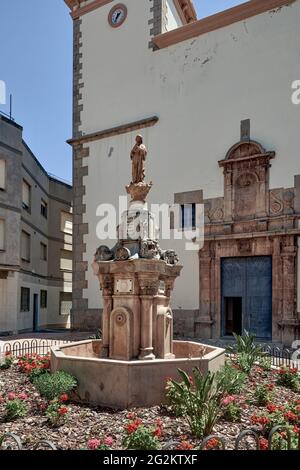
[(200, 89)]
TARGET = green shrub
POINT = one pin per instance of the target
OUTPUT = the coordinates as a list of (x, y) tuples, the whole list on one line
[(231, 381), (262, 395), (289, 377), (15, 409), (247, 352), (200, 400), (8, 361), (232, 413), (51, 386)]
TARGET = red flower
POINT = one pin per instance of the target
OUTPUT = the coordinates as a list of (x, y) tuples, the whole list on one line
[(184, 445), (64, 397), (290, 416), (271, 387), (263, 444), (131, 416), (11, 396), (296, 429), (158, 432), (271, 407), (212, 444), (63, 410), (133, 426), (8, 353)]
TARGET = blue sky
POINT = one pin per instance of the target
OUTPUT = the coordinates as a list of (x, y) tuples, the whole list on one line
[(36, 65)]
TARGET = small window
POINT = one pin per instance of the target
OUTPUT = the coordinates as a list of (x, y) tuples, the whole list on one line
[(66, 258), (65, 303), (26, 196), (43, 298), (25, 299), (44, 209), (2, 234), (2, 175), (188, 216), (25, 246), (66, 223), (43, 252)]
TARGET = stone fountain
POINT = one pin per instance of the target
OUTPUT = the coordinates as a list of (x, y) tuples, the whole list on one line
[(130, 365)]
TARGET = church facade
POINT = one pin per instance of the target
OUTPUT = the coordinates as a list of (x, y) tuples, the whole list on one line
[(213, 100)]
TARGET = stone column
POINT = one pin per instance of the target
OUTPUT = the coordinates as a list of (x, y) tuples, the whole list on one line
[(107, 288), (148, 290)]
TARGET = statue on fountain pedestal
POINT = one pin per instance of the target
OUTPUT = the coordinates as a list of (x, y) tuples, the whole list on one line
[(138, 158), (138, 188)]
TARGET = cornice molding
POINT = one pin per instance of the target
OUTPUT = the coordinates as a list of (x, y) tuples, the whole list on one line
[(124, 129), (217, 21), (77, 10)]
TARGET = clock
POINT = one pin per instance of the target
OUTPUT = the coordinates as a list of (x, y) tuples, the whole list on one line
[(117, 15)]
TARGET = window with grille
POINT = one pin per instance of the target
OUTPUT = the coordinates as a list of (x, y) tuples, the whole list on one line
[(26, 195), (25, 246), (43, 299), (2, 175), (44, 209), (65, 303), (2, 234), (25, 299)]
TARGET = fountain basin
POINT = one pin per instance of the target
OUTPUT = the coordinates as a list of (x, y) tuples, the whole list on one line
[(128, 384)]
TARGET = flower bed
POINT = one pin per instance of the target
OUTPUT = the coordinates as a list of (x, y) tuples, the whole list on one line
[(269, 398)]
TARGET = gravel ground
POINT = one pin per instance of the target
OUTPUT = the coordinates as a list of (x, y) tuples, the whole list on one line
[(84, 423)]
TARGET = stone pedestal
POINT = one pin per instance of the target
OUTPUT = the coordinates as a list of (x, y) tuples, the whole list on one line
[(137, 317)]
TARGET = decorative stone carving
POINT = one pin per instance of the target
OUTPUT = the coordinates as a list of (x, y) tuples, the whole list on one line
[(276, 203), (150, 249), (148, 286), (170, 257), (106, 283), (103, 253), (139, 191), (120, 343), (122, 254)]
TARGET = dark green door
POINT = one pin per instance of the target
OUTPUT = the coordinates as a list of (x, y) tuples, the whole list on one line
[(247, 296)]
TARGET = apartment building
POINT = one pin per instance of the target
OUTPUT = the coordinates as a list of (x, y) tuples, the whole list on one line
[(35, 239)]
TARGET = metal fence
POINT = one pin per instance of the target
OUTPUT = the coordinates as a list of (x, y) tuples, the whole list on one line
[(30, 346), (280, 438), (279, 356)]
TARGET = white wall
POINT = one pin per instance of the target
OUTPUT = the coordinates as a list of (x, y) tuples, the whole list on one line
[(8, 303), (201, 89)]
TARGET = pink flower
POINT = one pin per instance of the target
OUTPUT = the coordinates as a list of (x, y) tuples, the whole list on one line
[(108, 441), (93, 444), (11, 396), (22, 396), (227, 400)]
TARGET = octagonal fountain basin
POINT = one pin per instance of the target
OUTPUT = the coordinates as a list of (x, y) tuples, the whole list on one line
[(127, 384)]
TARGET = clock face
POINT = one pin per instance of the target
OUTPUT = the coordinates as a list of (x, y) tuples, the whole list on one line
[(117, 15)]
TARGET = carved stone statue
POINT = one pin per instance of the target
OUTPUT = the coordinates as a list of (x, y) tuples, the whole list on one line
[(138, 157)]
